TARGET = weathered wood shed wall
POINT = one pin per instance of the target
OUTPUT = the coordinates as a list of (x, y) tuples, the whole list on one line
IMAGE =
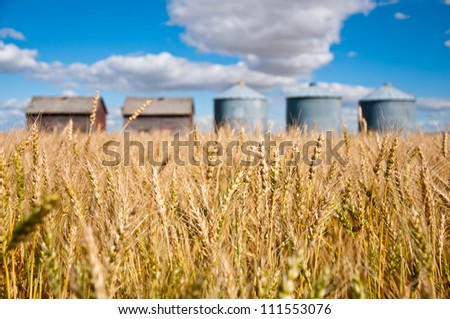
[(55, 113), (172, 114)]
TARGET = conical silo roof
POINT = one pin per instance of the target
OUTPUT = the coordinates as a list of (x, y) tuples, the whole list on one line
[(241, 91), (315, 91), (388, 93)]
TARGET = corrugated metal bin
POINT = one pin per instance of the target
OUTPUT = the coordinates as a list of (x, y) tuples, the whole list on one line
[(389, 109), (316, 108), (241, 106)]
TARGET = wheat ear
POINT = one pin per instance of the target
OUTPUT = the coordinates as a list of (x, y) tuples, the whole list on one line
[(27, 226), (139, 111)]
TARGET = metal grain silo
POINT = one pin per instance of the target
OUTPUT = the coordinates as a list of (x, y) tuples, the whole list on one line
[(389, 109), (315, 107), (241, 106)]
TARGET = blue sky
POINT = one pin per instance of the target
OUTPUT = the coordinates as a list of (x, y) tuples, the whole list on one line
[(199, 47)]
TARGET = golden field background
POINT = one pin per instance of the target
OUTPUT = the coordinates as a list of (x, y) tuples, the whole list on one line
[(376, 227)]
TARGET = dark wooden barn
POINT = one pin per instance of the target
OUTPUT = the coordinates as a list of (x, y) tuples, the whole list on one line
[(55, 113), (172, 114)]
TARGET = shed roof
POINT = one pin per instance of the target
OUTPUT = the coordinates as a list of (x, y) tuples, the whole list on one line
[(315, 91), (241, 91), (62, 105), (159, 106), (388, 93)]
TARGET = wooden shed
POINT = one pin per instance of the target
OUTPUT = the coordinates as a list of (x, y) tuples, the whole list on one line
[(55, 113), (172, 114)]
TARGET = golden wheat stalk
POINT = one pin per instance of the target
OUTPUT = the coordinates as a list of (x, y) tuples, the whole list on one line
[(314, 160), (96, 268), (27, 226), (444, 144), (362, 121), (136, 114), (225, 239), (93, 115)]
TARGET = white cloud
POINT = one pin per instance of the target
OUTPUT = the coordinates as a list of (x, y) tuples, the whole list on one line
[(447, 43), (401, 16), (447, 32), (69, 93), (433, 104), (292, 38), (352, 54), (271, 54), (135, 73), (351, 94), (387, 3), (12, 114), (13, 104), (114, 119), (11, 33), (432, 125), (15, 59), (447, 2), (433, 114), (150, 73)]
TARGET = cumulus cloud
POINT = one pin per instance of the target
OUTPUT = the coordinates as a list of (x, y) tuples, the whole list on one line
[(293, 38), (135, 73), (447, 43), (401, 16), (432, 125), (433, 104), (447, 2), (114, 120), (270, 54), (150, 73), (387, 3), (69, 93), (11, 33), (13, 104), (351, 94), (12, 113), (14, 59), (352, 54), (435, 114)]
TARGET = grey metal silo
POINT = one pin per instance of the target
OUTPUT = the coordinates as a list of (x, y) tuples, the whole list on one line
[(241, 106), (315, 107), (389, 109)]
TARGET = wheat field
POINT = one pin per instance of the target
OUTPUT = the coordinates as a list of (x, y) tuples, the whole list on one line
[(376, 226)]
